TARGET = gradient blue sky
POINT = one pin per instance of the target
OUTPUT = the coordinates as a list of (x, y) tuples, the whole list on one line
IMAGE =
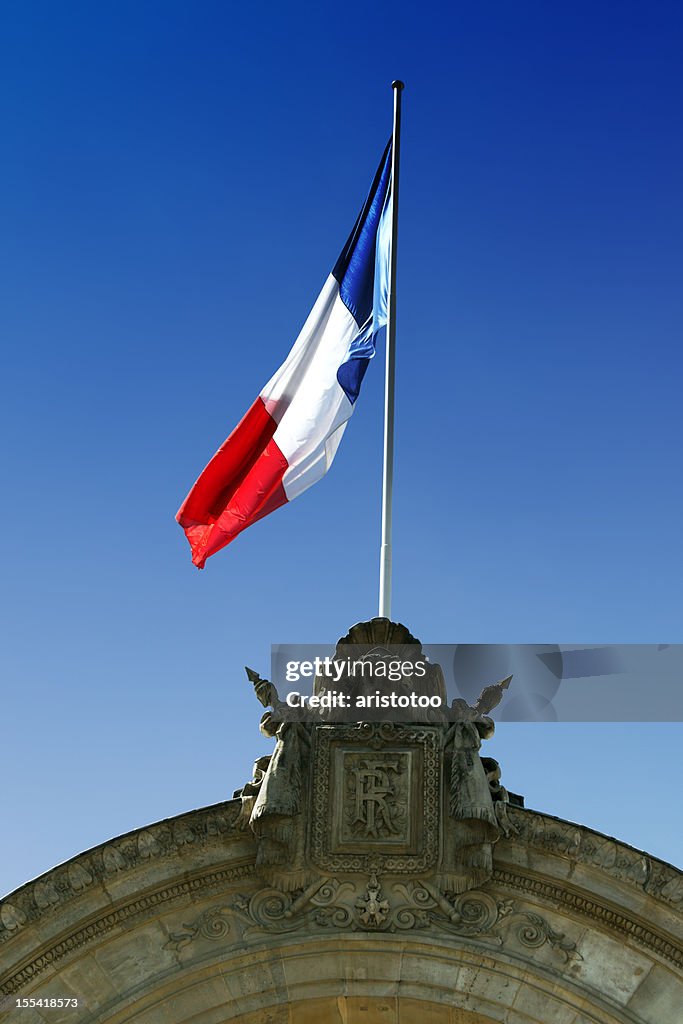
[(176, 181)]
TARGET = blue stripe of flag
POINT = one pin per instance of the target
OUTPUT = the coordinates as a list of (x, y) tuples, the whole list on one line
[(355, 272), (355, 268)]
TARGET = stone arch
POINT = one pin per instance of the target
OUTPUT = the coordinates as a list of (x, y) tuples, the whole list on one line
[(392, 982), (159, 927)]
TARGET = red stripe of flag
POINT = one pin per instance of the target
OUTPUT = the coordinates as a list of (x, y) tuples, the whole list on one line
[(241, 484)]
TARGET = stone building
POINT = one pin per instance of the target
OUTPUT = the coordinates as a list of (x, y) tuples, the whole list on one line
[(373, 872)]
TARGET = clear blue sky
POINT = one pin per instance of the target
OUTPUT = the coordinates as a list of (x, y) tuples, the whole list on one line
[(176, 181)]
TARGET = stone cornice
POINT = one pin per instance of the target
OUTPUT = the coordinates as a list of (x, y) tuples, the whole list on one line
[(562, 896), (98, 925), (177, 837), (172, 837), (125, 913), (583, 845)]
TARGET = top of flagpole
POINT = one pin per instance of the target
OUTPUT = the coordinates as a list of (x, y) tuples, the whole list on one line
[(398, 84)]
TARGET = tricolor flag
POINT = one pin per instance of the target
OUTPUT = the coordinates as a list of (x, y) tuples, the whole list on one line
[(290, 435)]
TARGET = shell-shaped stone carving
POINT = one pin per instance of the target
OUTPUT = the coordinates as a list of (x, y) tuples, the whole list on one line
[(380, 632)]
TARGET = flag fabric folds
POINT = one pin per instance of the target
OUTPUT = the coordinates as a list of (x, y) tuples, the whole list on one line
[(288, 438)]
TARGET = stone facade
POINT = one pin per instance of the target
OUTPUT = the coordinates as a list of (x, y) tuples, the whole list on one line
[(346, 883)]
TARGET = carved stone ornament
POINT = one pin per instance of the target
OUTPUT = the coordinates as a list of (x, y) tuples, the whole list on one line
[(348, 833), (375, 906), (376, 795), (409, 798)]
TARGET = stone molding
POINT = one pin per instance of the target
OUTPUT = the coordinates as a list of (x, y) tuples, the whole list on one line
[(586, 846), (175, 836), (179, 837), (600, 913), (122, 913), (474, 916), (125, 854), (395, 907)]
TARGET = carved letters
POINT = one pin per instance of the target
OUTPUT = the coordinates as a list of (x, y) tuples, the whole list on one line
[(376, 793)]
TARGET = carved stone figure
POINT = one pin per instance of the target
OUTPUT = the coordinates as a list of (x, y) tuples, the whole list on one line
[(278, 817), (501, 797), (250, 791), (274, 803), (378, 796), (470, 827)]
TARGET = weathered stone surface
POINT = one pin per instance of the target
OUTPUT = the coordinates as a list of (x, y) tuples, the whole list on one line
[(186, 919), (547, 950)]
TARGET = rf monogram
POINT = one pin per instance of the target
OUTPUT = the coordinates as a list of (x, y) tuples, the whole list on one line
[(373, 793)]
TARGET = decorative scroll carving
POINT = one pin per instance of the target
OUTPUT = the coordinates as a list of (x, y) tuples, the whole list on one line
[(533, 931), (415, 902), (622, 923), (377, 906), (212, 924), (53, 890)]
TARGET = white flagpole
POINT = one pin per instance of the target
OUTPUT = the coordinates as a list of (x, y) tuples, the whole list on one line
[(388, 471)]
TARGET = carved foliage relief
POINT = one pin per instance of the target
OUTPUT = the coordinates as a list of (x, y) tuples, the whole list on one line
[(376, 906)]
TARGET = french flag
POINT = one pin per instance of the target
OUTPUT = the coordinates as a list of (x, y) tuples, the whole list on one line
[(288, 438)]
